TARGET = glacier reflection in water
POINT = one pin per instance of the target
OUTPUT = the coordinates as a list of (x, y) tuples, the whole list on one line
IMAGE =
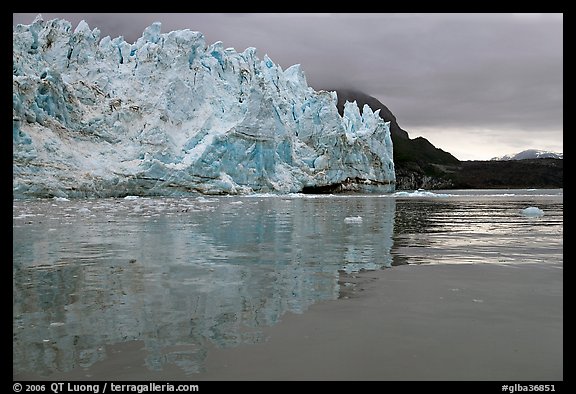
[(178, 274)]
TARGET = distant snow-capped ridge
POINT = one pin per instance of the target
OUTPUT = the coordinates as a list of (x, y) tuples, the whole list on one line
[(531, 154)]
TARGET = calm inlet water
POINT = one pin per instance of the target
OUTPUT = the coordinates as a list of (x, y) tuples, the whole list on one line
[(179, 275)]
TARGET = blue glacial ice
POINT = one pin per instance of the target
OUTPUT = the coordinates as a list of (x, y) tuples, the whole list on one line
[(532, 212), (171, 115)]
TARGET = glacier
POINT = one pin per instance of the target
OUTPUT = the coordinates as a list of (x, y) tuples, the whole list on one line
[(170, 115)]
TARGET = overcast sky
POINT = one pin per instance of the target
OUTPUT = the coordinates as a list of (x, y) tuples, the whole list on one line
[(475, 85)]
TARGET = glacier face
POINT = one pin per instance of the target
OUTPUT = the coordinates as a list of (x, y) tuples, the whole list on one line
[(171, 115)]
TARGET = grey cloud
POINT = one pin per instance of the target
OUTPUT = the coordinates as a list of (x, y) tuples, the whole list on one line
[(431, 70)]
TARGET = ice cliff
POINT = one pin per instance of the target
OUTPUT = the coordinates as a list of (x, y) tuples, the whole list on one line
[(171, 115)]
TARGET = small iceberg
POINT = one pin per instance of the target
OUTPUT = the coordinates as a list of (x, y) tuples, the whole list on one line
[(420, 193), (353, 219), (532, 212)]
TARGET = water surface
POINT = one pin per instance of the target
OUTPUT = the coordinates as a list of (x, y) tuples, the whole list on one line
[(180, 275)]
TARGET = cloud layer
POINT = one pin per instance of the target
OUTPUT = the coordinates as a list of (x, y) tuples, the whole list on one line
[(488, 75)]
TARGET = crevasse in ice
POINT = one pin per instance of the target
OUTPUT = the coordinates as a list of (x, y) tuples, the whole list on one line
[(171, 115)]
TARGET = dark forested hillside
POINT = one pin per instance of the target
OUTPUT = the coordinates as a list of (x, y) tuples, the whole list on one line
[(419, 164)]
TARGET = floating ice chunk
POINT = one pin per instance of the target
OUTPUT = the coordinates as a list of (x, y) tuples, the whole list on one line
[(265, 195), (131, 198), (532, 212), (60, 199), (420, 193), (84, 210), (353, 219), (56, 324)]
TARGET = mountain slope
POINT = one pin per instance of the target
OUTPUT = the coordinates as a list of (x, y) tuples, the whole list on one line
[(418, 163), (510, 174), (531, 154)]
